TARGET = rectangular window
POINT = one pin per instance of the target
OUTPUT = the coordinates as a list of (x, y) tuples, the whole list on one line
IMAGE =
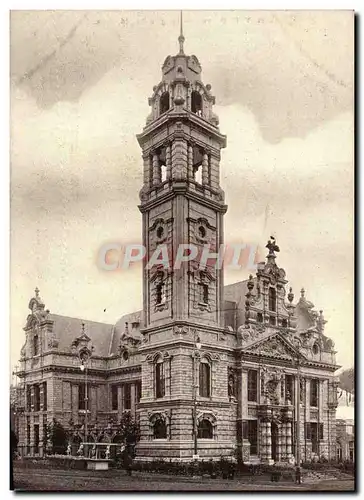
[(127, 396), (314, 436), (36, 389), (252, 385), (314, 389), (204, 293), (114, 397), (81, 397), (272, 299), (138, 391), (308, 434), (272, 320), (29, 398), (36, 438), (45, 396), (253, 436), (204, 380), (159, 380)]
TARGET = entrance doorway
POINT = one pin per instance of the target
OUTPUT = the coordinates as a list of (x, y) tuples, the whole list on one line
[(274, 428)]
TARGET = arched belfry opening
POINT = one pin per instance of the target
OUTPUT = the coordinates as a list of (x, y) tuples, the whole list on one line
[(196, 103), (197, 164), (164, 103)]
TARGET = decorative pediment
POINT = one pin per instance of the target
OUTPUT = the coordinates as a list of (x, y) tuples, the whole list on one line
[(273, 346)]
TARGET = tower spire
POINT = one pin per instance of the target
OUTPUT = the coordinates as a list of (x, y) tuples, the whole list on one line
[(181, 38)]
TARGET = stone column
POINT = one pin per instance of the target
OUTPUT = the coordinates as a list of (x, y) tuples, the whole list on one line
[(266, 436), (190, 162), (146, 170), (132, 394), (120, 401), (205, 169), (281, 442), (169, 162), (289, 439), (269, 441), (157, 174), (179, 159)]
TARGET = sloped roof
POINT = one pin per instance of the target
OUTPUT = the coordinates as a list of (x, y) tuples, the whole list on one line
[(67, 329), (134, 325)]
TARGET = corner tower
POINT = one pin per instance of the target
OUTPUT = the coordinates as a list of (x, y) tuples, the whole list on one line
[(182, 204)]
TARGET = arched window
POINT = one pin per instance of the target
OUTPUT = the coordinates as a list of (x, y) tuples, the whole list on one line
[(196, 103), (35, 345), (159, 429), (164, 103), (272, 299), (159, 379), (205, 379), (205, 429)]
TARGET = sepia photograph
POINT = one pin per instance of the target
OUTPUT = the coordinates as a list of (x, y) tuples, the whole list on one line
[(182, 250)]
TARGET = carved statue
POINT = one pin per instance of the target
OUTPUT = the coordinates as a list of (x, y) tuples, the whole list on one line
[(231, 386), (80, 451), (68, 449), (107, 453)]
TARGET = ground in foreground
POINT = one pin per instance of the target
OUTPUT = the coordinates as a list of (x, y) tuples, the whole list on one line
[(59, 480)]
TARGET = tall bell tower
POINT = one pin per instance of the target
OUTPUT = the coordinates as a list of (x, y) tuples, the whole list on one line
[(182, 204)]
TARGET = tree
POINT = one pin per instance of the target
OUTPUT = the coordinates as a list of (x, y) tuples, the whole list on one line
[(128, 429), (57, 437), (346, 380)]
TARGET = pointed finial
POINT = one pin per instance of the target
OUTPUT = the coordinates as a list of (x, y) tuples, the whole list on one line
[(290, 295), (303, 293), (36, 292), (181, 38), (83, 328)]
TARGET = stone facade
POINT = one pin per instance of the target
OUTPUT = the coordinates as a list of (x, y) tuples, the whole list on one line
[(207, 370)]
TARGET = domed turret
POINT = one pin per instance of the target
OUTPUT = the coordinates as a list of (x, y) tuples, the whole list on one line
[(181, 88)]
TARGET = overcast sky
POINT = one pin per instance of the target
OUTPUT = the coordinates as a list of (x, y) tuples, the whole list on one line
[(284, 95)]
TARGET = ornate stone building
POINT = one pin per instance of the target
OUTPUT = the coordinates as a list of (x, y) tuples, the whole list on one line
[(207, 369)]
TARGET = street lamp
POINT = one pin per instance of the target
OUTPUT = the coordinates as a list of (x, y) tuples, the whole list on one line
[(298, 414), (84, 352), (195, 386)]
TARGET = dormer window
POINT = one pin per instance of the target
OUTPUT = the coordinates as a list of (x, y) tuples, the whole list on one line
[(164, 103), (35, 345), (196, 103)]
